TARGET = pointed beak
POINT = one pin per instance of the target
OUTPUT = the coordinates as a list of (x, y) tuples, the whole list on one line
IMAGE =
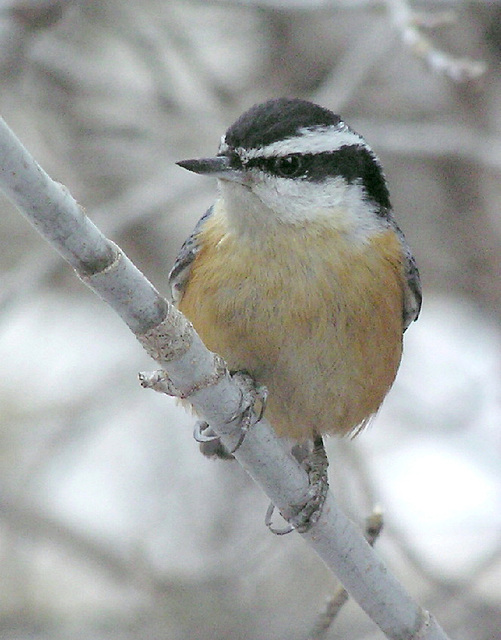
[(218, 167)]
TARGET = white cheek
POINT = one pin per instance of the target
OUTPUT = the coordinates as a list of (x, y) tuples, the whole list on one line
[(334, 202), (287, 198), (299, 200), (270, 200)]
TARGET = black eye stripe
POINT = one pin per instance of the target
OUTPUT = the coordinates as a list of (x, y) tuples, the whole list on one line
[(355, 163), (292, 166), (289, 166)]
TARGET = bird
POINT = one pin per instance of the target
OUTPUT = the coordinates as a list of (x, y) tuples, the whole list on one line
[(298, 274)]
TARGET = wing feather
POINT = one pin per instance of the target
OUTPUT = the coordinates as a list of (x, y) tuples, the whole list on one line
[(180, 272)]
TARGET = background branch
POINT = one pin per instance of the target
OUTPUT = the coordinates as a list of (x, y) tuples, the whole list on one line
[(411, 33)]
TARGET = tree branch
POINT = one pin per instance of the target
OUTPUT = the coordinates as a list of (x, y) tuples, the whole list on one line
[(373, 528), (411, 27), (434, 140), (195, 372)]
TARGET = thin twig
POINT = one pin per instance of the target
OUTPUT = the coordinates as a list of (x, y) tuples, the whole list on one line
[(434, 140), (411, 33)]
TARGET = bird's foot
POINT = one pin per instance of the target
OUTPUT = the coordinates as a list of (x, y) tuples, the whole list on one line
[(307, 514), (252, 395)]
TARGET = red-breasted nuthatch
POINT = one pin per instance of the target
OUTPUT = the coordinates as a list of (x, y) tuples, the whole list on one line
[(299, 274)]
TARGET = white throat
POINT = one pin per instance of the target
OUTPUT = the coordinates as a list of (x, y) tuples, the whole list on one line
[(266, 202)]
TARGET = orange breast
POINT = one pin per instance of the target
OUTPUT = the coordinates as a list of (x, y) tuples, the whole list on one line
[(314, 317)]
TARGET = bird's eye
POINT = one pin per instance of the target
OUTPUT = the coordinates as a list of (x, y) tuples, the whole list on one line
[(289, 166)]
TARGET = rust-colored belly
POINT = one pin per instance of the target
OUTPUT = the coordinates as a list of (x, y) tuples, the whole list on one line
[(316, 320)]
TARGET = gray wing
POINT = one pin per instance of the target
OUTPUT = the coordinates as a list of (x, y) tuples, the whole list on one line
[(412, 291), (180, 272)]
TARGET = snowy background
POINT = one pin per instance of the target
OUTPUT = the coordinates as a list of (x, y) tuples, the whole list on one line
[(112, 524)]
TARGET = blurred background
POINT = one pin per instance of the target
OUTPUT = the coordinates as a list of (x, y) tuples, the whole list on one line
[(112, 524)]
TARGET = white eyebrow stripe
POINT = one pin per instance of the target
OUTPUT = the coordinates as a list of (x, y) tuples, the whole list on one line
[(309, 140)]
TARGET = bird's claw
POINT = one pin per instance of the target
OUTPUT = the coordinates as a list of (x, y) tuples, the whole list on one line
[(251, 393), (268, 522), (250, 389), (210, 443), (202, 432), (308, 513)]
